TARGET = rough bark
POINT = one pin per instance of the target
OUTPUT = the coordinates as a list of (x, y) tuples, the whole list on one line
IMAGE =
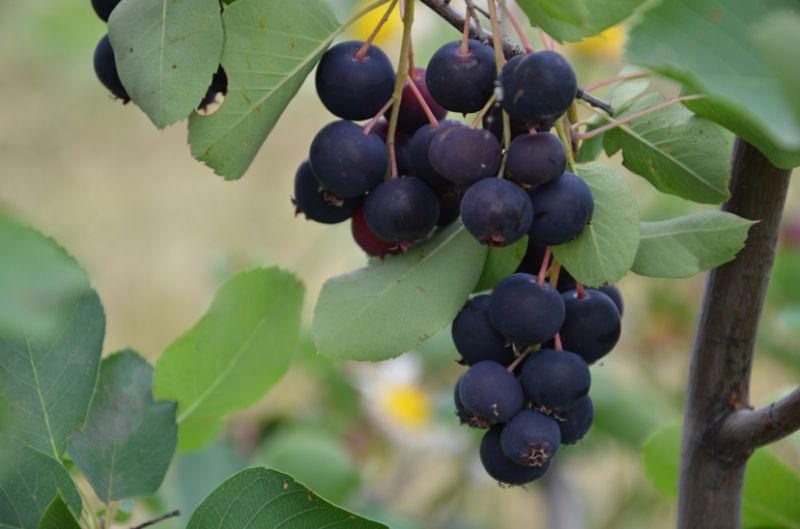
[(712, 474)]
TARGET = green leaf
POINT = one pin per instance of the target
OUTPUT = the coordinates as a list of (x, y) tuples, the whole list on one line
[(392, 306), (123, 424), (770, 487), (58, 516), (501, 262), (777, 38), (606, 249), (237, 351), (574, 20), (313, 456), (685, 246), (39, 281), (48, 369), (676, 151), (270, 48), (29, 480), (166, 53), (258, 498), (708, 45)]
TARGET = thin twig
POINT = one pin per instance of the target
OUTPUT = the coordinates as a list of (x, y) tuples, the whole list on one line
[(616, 79), (161, 518), (747, 429)]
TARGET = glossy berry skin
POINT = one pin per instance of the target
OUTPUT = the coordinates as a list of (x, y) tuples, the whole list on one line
[(316, 203), (531, 438), (538, 87), (557, 380), (462, 83), (367, 240), (575, 423), (536, 159), (419, 150), (402, 210), (525, 312), (614, 293), (503, 469), (464, 155), (346, 161), (562, 208), (449, 204), (463, 414), (592, 324), (103, 8), (493, 122), (353, 88), (105, 66), (412, 116), (491, 393), (496, 212), (475, 337)]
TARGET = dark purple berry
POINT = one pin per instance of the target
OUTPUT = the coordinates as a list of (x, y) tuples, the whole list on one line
[(103, 8), (614, 293), (475, 337), (105, 66), (351, 87), (464, 415), (219, 85), (557, 380), (462, 82), (591, 325), (491, 393), (538, 87), (531, 438), (367, 240), (562, 208), (317, 204), (503, 469), (449, 204), (402, 210), (464, 155), (493, 122), (525, 312), (346, 161), (419, 149), (536, 159), (496, 212), (575, 423), (412, 116)]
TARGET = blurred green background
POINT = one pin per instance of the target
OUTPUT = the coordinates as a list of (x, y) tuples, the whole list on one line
[(158, 232)]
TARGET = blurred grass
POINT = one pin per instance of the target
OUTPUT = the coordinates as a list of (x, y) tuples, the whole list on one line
[(158, 232)]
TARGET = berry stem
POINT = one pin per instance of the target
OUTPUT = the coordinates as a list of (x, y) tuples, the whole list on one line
[(580, 289), (558, 345), (424, 104), (393, 161), (555, 271), (412, 70), (518, 360), (362, 52), (614, 123), (385, 108), (514, 22), (402, 73), (500, 59), (566, 139), (486, 108), (612, 80), (472, 11), (464, 50), (543, 268), (547, 40)]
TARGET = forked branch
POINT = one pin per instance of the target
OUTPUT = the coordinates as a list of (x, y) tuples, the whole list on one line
[(748, 429)]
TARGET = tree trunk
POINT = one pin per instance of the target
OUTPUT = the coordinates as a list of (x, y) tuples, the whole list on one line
[(711, 477)]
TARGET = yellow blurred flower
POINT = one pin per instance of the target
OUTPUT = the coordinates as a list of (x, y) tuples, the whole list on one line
[(365, 25), (406, 406), (607, 44)]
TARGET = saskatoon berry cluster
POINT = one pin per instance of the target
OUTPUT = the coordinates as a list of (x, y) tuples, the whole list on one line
[(105, 66)]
